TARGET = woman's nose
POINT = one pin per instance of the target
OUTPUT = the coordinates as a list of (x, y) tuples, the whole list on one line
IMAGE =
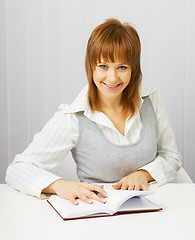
[(112, 76)]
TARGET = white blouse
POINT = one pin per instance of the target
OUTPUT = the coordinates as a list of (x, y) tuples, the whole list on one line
[(31, 171)]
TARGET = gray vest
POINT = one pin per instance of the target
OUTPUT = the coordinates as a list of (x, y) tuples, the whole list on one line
[(99, 160)]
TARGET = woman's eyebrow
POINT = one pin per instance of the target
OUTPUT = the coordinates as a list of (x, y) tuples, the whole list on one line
[(102, 62), (99, 63)]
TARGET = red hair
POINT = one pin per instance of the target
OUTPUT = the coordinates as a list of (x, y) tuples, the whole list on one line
[(114, 41)]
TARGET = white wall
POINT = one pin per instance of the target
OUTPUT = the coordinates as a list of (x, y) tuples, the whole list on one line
[(42, 53)]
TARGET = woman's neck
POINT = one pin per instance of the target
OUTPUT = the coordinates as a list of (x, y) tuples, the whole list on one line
[(110, 104)]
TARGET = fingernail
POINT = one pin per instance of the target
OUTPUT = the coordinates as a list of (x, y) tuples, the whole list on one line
[(104, 200), (90, 201), (106, 194)]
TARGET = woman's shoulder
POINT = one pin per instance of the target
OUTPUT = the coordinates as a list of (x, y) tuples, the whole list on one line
[(147, 91), (79, 104), (154, 96), (152, 92)]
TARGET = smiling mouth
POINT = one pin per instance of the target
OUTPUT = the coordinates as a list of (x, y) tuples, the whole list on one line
[(111, 86)]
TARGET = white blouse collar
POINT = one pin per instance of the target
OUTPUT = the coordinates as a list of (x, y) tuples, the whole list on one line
[(81, 102)]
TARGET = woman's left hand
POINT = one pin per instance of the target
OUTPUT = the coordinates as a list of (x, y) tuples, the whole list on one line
[(137, 180)]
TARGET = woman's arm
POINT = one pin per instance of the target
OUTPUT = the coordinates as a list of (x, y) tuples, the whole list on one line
[(31, 174), (167, 162), (30, 171)]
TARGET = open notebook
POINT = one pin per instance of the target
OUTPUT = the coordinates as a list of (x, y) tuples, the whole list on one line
[(118, 202)]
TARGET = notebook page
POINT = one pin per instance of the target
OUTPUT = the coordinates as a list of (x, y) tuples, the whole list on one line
[(117, 197), (67, 210), (137, 204)]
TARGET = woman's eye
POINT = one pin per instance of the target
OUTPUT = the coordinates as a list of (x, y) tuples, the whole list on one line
[(103, 66), (122, 67)]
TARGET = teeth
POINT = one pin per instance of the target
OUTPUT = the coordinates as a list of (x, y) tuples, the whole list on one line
[(111, 86)]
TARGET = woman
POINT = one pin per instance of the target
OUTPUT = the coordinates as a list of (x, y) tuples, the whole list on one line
[(116, 130)]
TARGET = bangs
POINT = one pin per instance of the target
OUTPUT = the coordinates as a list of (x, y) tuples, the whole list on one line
[(113, 47), (113, 42)]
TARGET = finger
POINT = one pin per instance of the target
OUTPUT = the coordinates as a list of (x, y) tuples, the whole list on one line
[(137, 187), (94, 196), (98, 189), (117, 185), (73, 201), (131, 187), (85, 199), (124, 186), (144, 187)]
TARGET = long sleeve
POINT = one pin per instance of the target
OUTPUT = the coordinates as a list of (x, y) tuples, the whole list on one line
[(31, 171), (168, 161)]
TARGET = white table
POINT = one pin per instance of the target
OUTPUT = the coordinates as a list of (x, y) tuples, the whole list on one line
[(25, 217)]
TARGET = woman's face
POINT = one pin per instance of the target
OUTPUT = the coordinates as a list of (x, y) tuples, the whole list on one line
[(111, 78)]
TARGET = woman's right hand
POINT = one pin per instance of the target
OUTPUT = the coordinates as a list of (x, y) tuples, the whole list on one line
[(74, 190)]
